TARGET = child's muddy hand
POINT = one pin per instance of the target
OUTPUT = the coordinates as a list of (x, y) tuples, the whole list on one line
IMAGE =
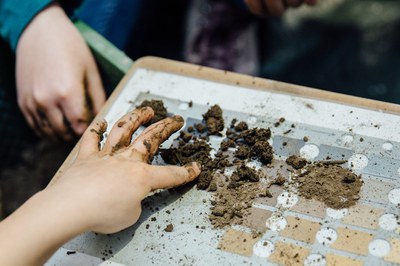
[(109, 184)]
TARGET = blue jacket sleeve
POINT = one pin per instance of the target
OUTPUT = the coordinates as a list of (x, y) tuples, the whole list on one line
[(15, 15)]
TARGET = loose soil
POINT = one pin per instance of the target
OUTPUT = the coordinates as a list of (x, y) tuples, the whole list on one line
[(233, 195), (330, 183), (160, 112)]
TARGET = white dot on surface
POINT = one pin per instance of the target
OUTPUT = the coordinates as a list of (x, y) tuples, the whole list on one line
[(254, 164), (287, 199), (212, 153), (358, 161), (387, 146), (336, 214), (347, 139), (228, 171), (252, 120), (326, 236), (315, 260), (309, 151), (183, 106), (276, 223), (394, 196), (379, 247), (388, 222), (215, 142), (263, 248)]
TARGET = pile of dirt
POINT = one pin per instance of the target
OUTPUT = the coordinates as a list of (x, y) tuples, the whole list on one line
[(325, 181), (160, 112), (328, 182), (230, 205), (296, 161), (214, 120), (197, 151), (234, 194)]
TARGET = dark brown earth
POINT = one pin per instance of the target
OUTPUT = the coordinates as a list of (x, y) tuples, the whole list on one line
[(325, 180), (332, 184), (169, 228), (235, 194), (214, 120), (296, 162), (160, 112)]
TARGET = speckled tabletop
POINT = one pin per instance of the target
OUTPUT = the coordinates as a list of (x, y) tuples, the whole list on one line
[(297, 231)]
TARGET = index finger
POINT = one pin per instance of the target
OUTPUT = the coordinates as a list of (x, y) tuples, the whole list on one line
[(146, 145)]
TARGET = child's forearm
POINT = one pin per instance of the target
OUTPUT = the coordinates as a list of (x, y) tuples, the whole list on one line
[(31, 234)]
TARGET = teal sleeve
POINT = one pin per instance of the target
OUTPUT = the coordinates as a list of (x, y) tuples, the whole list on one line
[(15, 15)]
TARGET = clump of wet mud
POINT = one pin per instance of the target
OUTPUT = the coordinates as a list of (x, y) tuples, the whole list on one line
[(296, 162), (233, 194), (196, 151), (328, 182), (214, 120), (160, 112)]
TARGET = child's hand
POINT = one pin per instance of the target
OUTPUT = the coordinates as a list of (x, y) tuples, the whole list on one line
[(58, 85), (108, 185), (101, 191)]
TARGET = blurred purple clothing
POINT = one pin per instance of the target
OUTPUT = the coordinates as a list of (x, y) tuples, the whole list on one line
[(221, 35)]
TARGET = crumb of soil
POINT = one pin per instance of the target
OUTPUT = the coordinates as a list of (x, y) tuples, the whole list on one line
[(262, 151), (190, 129), (251, 136), (280, 181), (242, 152), (160, 112), (332, 184), (185, 136), (296, 162), (200, 127), (241, 126), (233, 122), (214, 120), (169, 228)]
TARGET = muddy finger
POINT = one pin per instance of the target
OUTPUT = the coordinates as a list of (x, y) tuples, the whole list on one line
[(146, 145), (121, 133), (90, 141)]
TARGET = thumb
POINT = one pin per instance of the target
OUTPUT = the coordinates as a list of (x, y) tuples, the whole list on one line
[(171, 176)]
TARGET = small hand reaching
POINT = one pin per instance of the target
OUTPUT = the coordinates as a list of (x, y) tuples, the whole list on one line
[(58, 85), (101, 191)]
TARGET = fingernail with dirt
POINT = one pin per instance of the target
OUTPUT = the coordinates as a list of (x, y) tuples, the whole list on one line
[(178, 118), (193, 168)]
